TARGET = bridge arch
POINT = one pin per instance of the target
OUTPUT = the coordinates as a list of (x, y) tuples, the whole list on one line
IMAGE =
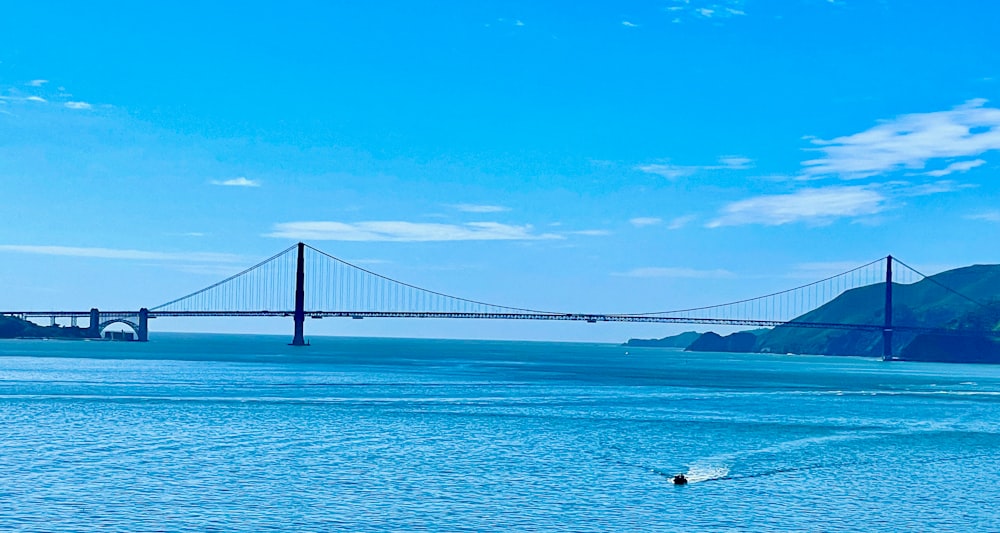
[(105, 324)]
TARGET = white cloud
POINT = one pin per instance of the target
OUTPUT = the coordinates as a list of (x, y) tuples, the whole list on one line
[(36, 83), (817, 206), (237, 182), (400, 231), (592, 232), (477, 208), (518, 23), (988, 216), (369, 261), (707, 9), (957, 166), (903, 188), (111, 253), (733, 162), (822, 269), (645, 221), (909, 142), (78, 105), (628, 24), (680, 222), (676, 272), (670, 171), (36, 99), (667, 171)]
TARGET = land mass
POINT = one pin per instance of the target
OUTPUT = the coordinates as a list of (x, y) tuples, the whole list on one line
[(15, 328), (965, 300), (682, 340)]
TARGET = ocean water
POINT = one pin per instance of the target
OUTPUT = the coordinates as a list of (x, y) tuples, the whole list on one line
[(243, 433)]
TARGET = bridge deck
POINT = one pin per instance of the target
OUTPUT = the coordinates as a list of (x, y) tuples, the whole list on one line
[(571, 317)]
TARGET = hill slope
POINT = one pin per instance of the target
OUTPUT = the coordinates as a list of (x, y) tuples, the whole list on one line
[(922, 304), (682, 340), (12, 328)]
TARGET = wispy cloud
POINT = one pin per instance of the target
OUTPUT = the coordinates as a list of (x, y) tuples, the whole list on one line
[(823, 269), (680, 222), (676, 272), (988, 216), (910, 142), (400, 231), (592, 232), (628, 24), (641, 222), (816, 206), (823, 205), (957, 166), (78, 105), (237, 182), (36, 83), (478, 208), (369, 261), (905, 188), (112, 253), (36, 99), (700, 9), (671, 171)]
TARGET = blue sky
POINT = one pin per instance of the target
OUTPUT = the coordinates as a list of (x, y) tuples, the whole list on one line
[(587, 157)]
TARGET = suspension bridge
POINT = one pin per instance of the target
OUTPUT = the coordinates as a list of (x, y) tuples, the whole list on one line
[(302, 281)]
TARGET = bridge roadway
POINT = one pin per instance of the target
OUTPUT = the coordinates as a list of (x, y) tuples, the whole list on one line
[(572, 317)]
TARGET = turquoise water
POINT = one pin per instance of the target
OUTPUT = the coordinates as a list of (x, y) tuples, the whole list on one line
[(243, 433)]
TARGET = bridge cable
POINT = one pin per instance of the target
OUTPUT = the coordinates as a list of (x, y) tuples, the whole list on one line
[(404, 284), (766, 295), (230, 278)]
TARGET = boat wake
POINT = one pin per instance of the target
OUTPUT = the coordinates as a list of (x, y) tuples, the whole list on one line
[(721, 473), (697, 474)]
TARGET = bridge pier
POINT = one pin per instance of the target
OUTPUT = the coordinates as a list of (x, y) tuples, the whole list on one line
[(300, 297), (142, 335), (94, 329)]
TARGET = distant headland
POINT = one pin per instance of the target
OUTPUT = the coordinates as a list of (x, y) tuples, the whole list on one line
[(925, 304), (16, 328)]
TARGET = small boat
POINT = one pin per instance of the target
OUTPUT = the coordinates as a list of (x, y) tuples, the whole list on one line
[(679, 479)]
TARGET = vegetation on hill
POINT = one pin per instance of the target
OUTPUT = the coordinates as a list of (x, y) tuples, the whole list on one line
[(934, 302), (742, 341), (964, 299), (12, 328), (682, 340), (961, 347)]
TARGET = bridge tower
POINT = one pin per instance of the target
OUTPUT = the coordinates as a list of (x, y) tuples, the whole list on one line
[(142, 335), (887, 327), (300, 297), (94, 329)]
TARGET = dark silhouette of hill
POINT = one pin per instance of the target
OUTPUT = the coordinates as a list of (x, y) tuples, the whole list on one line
[(682, 340), (942, 300), (12, 328), (741, 341)]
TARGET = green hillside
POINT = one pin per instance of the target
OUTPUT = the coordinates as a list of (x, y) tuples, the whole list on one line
[(12, 328), (961, 348), (682, 340), (922, 304)]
